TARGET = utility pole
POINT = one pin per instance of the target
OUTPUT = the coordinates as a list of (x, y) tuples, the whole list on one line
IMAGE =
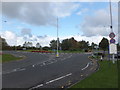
[(57, 55)]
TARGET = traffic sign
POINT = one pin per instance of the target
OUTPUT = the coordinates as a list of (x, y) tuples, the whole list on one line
[(112, 40), (111, 35), (113, 49)]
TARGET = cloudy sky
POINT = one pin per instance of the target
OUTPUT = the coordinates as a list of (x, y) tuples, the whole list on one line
[(37, 21)]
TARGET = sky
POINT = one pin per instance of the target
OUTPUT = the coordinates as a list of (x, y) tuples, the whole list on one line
[(37, 21)]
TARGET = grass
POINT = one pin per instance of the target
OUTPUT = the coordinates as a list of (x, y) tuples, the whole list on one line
[(8, 57), (105, 77)]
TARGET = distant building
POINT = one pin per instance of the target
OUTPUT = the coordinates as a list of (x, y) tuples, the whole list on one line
[(38, 45), (27, 44)]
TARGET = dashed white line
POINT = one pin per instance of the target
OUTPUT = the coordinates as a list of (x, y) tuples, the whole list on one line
[(21, 69), (33, 65), (50, 81), (15, 70), (44, 63), (58, 78)]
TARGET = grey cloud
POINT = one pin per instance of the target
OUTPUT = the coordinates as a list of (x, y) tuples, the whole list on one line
[(26, 31), (98, 24), (38, 13), (45, 36), (32, 13)]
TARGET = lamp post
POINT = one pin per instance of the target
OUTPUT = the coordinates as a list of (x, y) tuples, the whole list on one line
[(16, 45), (57, 55)]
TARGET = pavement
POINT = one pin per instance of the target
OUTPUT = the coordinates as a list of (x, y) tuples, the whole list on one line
[(44, 70)]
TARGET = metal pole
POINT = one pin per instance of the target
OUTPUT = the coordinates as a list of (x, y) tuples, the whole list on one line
[(57, 40), (113, 58), (16, 45), (111, 16), (111, 26)]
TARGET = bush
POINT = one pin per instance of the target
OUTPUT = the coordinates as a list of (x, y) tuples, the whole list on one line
[(86, 50)]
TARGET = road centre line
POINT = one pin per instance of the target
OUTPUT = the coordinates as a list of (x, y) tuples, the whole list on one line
[(15, 70)]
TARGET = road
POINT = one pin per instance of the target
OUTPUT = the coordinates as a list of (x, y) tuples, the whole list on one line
[(45, 70)]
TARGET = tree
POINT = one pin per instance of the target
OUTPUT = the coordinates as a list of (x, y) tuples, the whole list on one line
[(53, 44), (4, 45), (83, 45), (46, 48), (65, 44), (3, 42), (104, 44), (69, 44), (93, 45), (73, 44)]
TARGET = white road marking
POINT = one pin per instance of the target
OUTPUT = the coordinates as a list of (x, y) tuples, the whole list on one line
[(36, 87), (0, 73), (50, 81), (85, 67), (15, 70), (21, 69), (44, 63), (81, 75), (58, 78), (33, 65)]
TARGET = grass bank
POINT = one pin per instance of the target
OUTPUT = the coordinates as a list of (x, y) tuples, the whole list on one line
[(8, 57), (105, 77)]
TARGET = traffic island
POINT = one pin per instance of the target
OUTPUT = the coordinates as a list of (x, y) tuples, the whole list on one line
[(9, 57)]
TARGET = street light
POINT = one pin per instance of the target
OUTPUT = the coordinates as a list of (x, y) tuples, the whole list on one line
[(111, 27), (57, 55)]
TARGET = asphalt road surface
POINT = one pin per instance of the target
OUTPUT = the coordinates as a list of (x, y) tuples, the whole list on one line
[(38, 70)]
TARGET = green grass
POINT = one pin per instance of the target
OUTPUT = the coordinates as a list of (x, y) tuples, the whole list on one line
[(8, 57), (105, 77)]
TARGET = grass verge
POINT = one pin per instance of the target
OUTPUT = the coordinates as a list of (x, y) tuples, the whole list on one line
[(8, 57), (105, 77)]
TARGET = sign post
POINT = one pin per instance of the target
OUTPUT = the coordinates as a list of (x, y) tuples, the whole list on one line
[(112, 46)]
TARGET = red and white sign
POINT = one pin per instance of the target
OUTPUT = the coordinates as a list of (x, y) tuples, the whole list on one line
[(111, 35)]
